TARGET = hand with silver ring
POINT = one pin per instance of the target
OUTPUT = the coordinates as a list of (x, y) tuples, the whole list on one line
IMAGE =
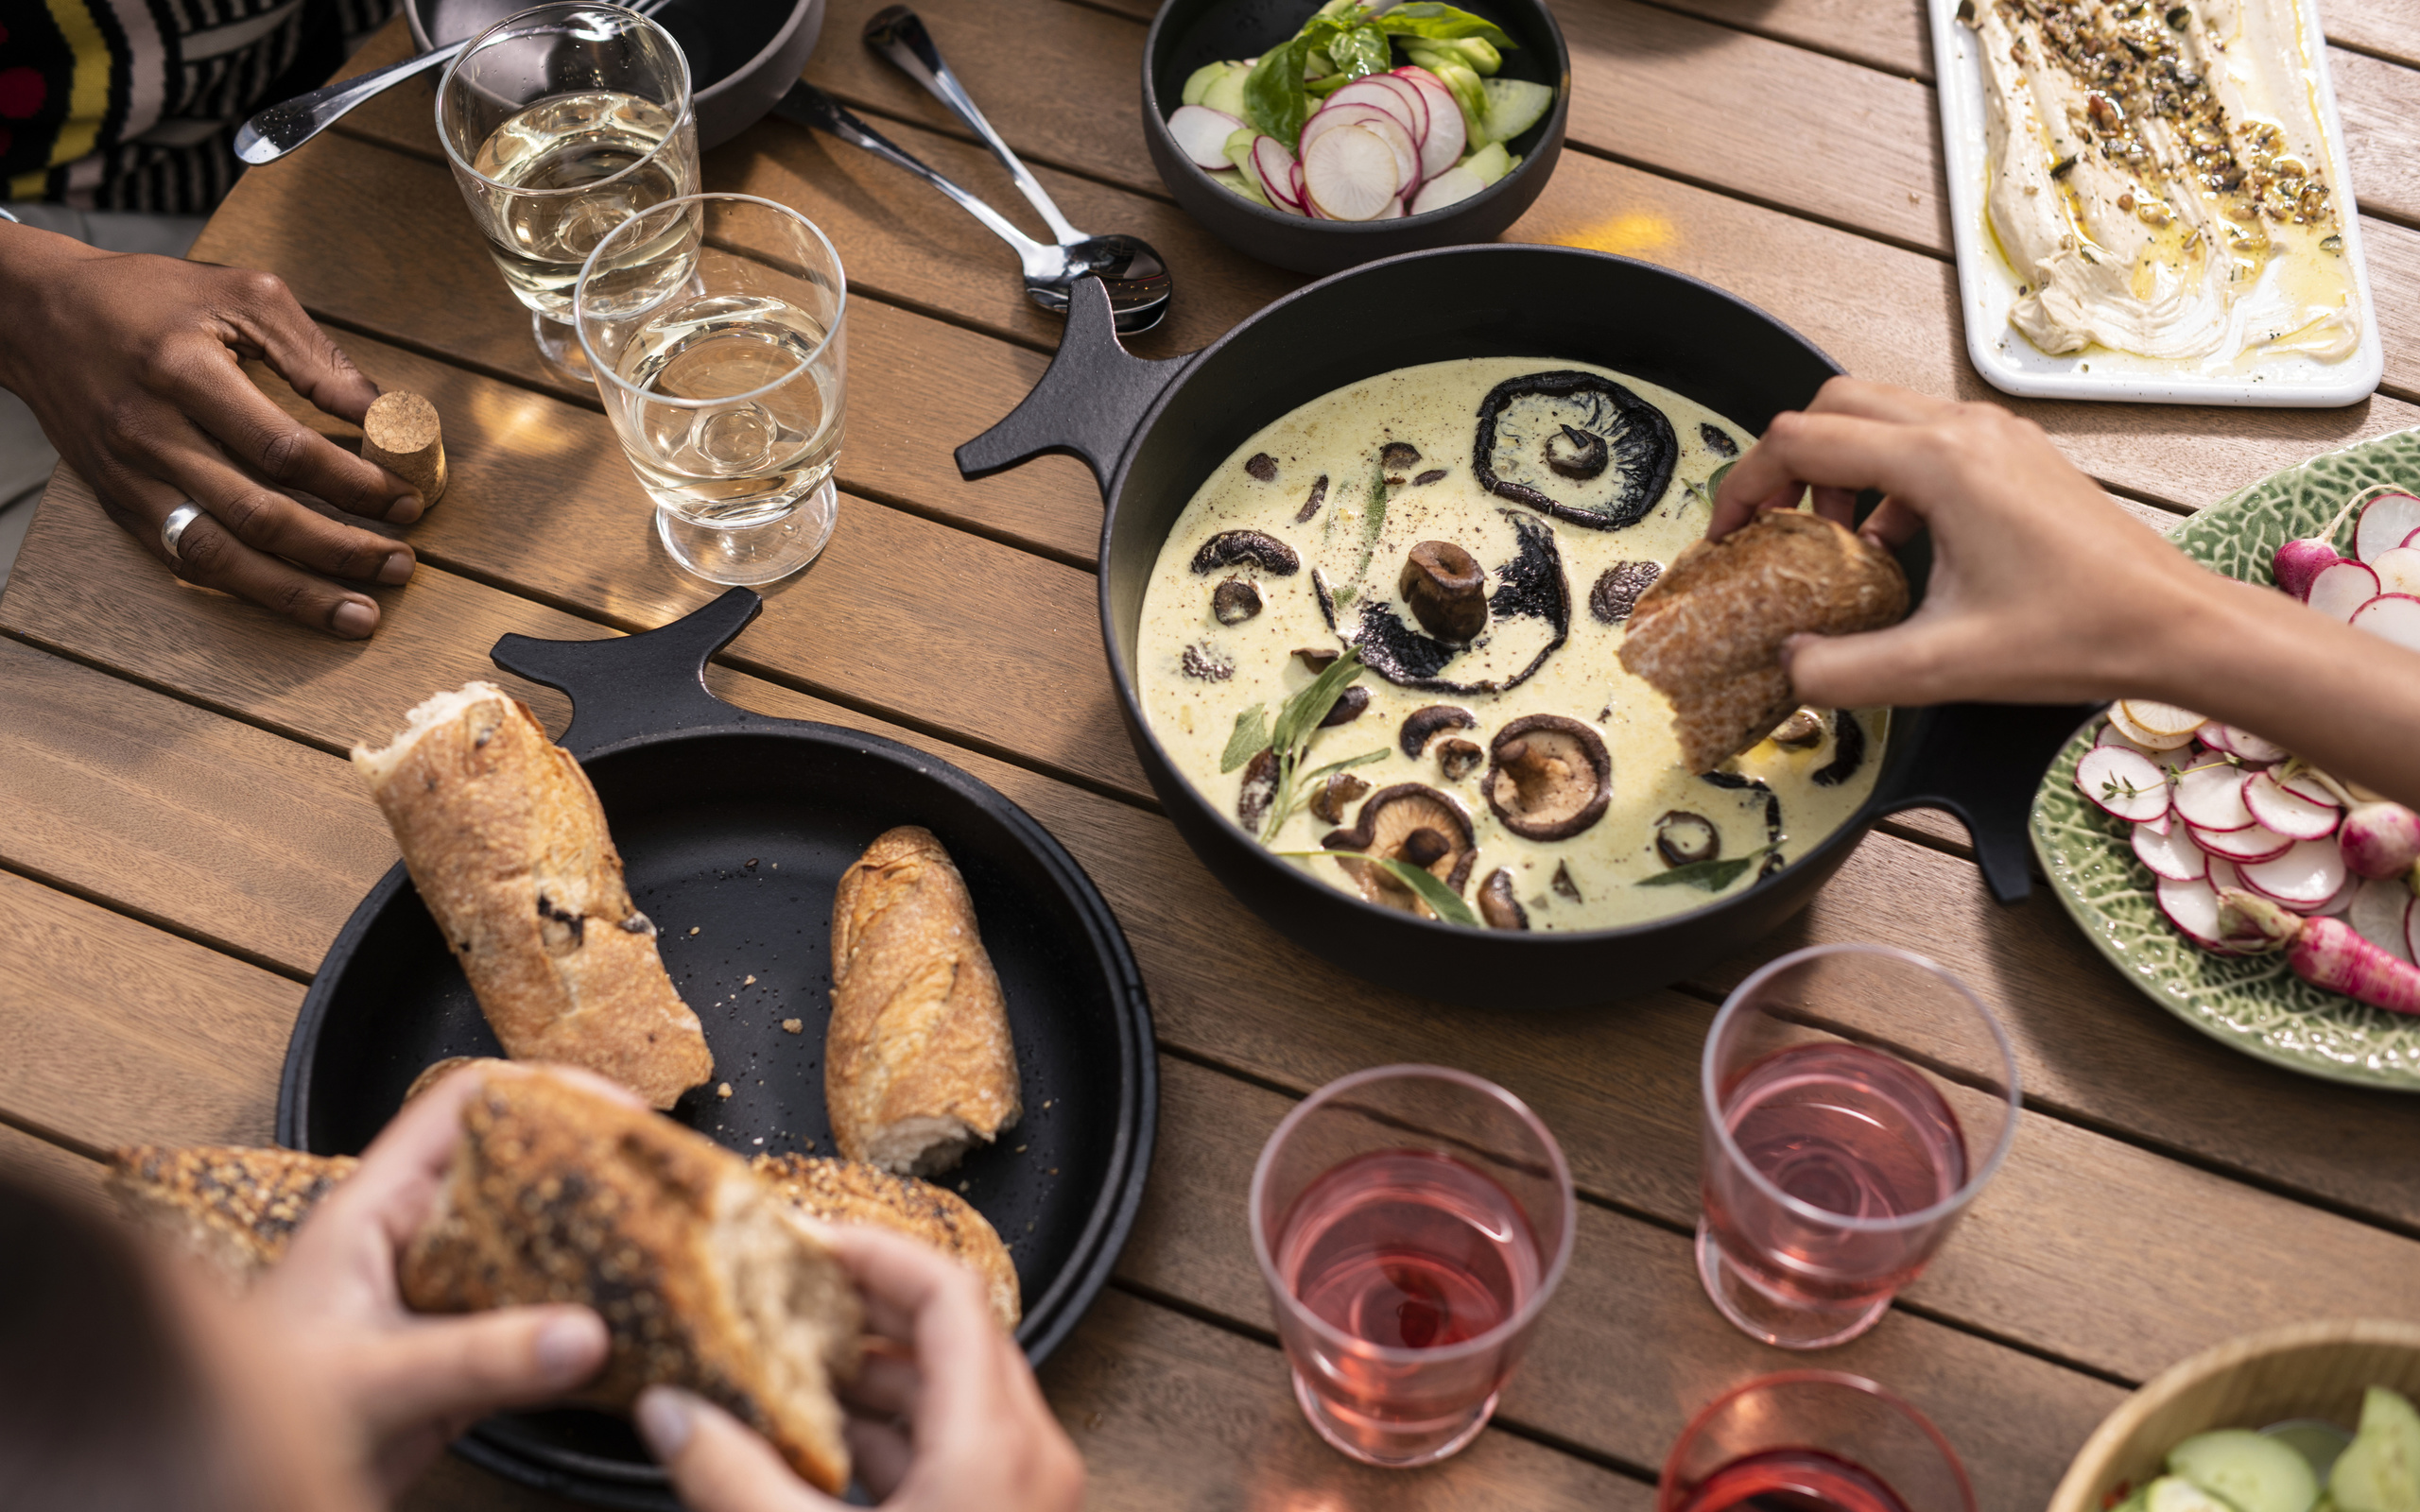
[(131, 362)]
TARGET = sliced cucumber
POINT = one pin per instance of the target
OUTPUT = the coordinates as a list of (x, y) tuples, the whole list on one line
[(1242, 183), (2379, 1471), (1513, 106), (1239, 143), (2315, 1439), (2174, 1493), (1226, 92), (1199, 81), (1490, 162), (2252, 1471)]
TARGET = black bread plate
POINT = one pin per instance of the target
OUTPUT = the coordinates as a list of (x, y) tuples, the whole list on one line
[(1189, 33), (738, 825), (1152, 430)]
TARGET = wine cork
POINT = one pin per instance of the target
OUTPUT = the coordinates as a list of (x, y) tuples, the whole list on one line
[(401, 434)]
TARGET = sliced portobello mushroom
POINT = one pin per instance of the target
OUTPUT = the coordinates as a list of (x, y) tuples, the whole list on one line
[(1317, 659), (1549, 777), (1258, 791), (1425, 724), (1397, 455), (1618, 587), (1574, 445), (1717, 441), (1246, 548), (1446, 588), (1530, 585), (1459, 758), (1563, 884), (1498, 905), (1340, 789), (1262, 466), (1347, 708), (1848, 751), (1410, 822), (1311, 506), (1235, 601)]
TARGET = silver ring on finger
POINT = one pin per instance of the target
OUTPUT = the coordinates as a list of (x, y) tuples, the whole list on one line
[(172, 529)]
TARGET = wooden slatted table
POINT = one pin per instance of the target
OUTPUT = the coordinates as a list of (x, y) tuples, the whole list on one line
[(179, 839)]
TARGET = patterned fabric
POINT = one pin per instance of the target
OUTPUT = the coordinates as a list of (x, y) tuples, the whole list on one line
[(130, 104)]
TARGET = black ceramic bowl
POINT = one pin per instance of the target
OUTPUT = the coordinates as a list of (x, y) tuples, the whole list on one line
[(1189, 33), (742, 53)]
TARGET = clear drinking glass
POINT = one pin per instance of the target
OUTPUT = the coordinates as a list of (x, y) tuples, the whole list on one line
[(1832, 1172), (1816, 1440), (1411, 1222), (561, 121), (725, 375)]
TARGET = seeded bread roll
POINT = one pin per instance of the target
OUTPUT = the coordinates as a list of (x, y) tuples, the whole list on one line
[(507, 845), (1709, 634), (706, 1279), (918, 1064), (230, 1207), (852, 1192)]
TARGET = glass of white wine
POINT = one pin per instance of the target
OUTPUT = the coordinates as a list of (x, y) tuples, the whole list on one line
[(562, 122), (723, 367)]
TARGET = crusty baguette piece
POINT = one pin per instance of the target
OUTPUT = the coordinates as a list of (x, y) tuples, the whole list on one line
[(1709, 634), (706, 1279), (917, 1063), (834, 1190), (507, 844), (437, 1071), (233, 1209)]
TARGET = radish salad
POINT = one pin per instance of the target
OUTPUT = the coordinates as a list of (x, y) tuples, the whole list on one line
[(1328, 127)]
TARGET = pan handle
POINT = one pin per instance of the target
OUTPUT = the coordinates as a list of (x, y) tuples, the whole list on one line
[(1983, 761), (1087, 405), (641, 684)]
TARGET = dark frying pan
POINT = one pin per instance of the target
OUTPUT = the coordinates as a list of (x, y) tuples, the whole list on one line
[(738, 825), (1151, 431), (742, 53)]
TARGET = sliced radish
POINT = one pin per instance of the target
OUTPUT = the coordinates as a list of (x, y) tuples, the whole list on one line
[(2387, 521), (2399, 569), (2123, 782), (2171, 856), (1413, 95), (2142, 737), (1449, 133), (2160, 719), (1370, 118), (2307, 786), (2224, 874), (2162, 824), (2194, 907), (1408, 113), (2242, 743), (2245, 847), (1201, 135), (2287, 812), (2391, 617), (1353, 174), (2341, 589), (2411, 931), (1275, 166), (2305, 876), (2211, 798), (2377, 913), (1450, 187), (2354, 882)]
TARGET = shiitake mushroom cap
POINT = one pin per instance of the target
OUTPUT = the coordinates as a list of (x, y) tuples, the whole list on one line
[(1458, 758), (1425, 724), (1347, 708), (1234, 601), (1389, 820), (1498, 905), (1549, 777), (1446, 588), (1246, 548), (1683, 837)]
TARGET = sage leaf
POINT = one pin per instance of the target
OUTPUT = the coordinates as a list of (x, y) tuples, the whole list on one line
[(1442, 23), (1443, 900), (1250, 735), (1712, 876), (1345, 765), (1304, 711), (1713, 484)]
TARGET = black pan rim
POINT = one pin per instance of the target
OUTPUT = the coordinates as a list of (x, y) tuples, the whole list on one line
[(1827, 855)]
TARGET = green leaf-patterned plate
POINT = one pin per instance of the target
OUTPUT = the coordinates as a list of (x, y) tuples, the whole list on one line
[(2254, 1003)]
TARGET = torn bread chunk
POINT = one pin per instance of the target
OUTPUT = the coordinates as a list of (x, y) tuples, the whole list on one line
[(507, 844), (843, 1192), (233, 1209), (918, 1065)]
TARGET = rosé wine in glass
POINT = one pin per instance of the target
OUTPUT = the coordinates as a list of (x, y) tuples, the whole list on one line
[(1811, 1441)]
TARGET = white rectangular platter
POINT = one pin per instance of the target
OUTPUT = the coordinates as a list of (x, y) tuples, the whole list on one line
[(1988, 286)]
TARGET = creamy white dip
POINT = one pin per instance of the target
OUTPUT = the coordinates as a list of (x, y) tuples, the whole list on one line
[(2161, 179), (1197, 674)]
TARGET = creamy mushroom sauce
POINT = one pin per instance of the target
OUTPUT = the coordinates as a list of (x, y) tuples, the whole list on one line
[(1432, 408)]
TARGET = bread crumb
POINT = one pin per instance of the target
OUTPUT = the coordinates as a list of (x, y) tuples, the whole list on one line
[(723, 1090), (751, 982), (793, 1025), (760, 1139), (1020, 1149), (693, 929), (962, 1186), (1054, 1170)]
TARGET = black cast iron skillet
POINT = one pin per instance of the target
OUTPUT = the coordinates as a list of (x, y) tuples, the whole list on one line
[(1151, 431), (738, 825), (742, 53)]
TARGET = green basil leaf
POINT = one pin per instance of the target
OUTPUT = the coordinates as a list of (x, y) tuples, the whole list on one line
[(1304, 711), (1275, 102), (1443, 23), (1251, 736), (1362, 51), (1713, 876), (1444, 901)]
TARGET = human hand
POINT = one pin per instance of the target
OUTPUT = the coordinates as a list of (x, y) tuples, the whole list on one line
[(976, 1432), (129, 364), (401, 1384), (2042, 591)]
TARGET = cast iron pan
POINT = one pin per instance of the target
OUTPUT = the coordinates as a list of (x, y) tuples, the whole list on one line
[(740, 825), (1152, 430), (742, 53)]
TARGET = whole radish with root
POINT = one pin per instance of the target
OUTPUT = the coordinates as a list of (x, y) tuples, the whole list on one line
[(2326, 952), (2298, 563)]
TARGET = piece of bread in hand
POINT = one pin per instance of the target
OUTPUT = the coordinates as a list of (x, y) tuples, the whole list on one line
[(231, 1208), (834, 1190), (706, 1278), (507, 845), (918, 1064), (1709, 634)]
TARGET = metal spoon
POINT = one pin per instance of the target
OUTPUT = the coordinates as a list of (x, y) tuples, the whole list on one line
[(899, 34), (277, 129), (1138, 281)]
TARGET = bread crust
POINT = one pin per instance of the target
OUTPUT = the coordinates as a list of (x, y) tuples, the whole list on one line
[(507, 844), (1709, 634), (557, 1194), (233, 1209), (832, 1191), (918, 1061)]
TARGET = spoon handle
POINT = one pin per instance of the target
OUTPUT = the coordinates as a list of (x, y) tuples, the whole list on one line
[(810, 106), (278, 129), (899, 35)]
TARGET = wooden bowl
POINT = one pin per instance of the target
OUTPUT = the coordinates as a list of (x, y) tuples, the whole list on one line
[(2301, 1370)]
